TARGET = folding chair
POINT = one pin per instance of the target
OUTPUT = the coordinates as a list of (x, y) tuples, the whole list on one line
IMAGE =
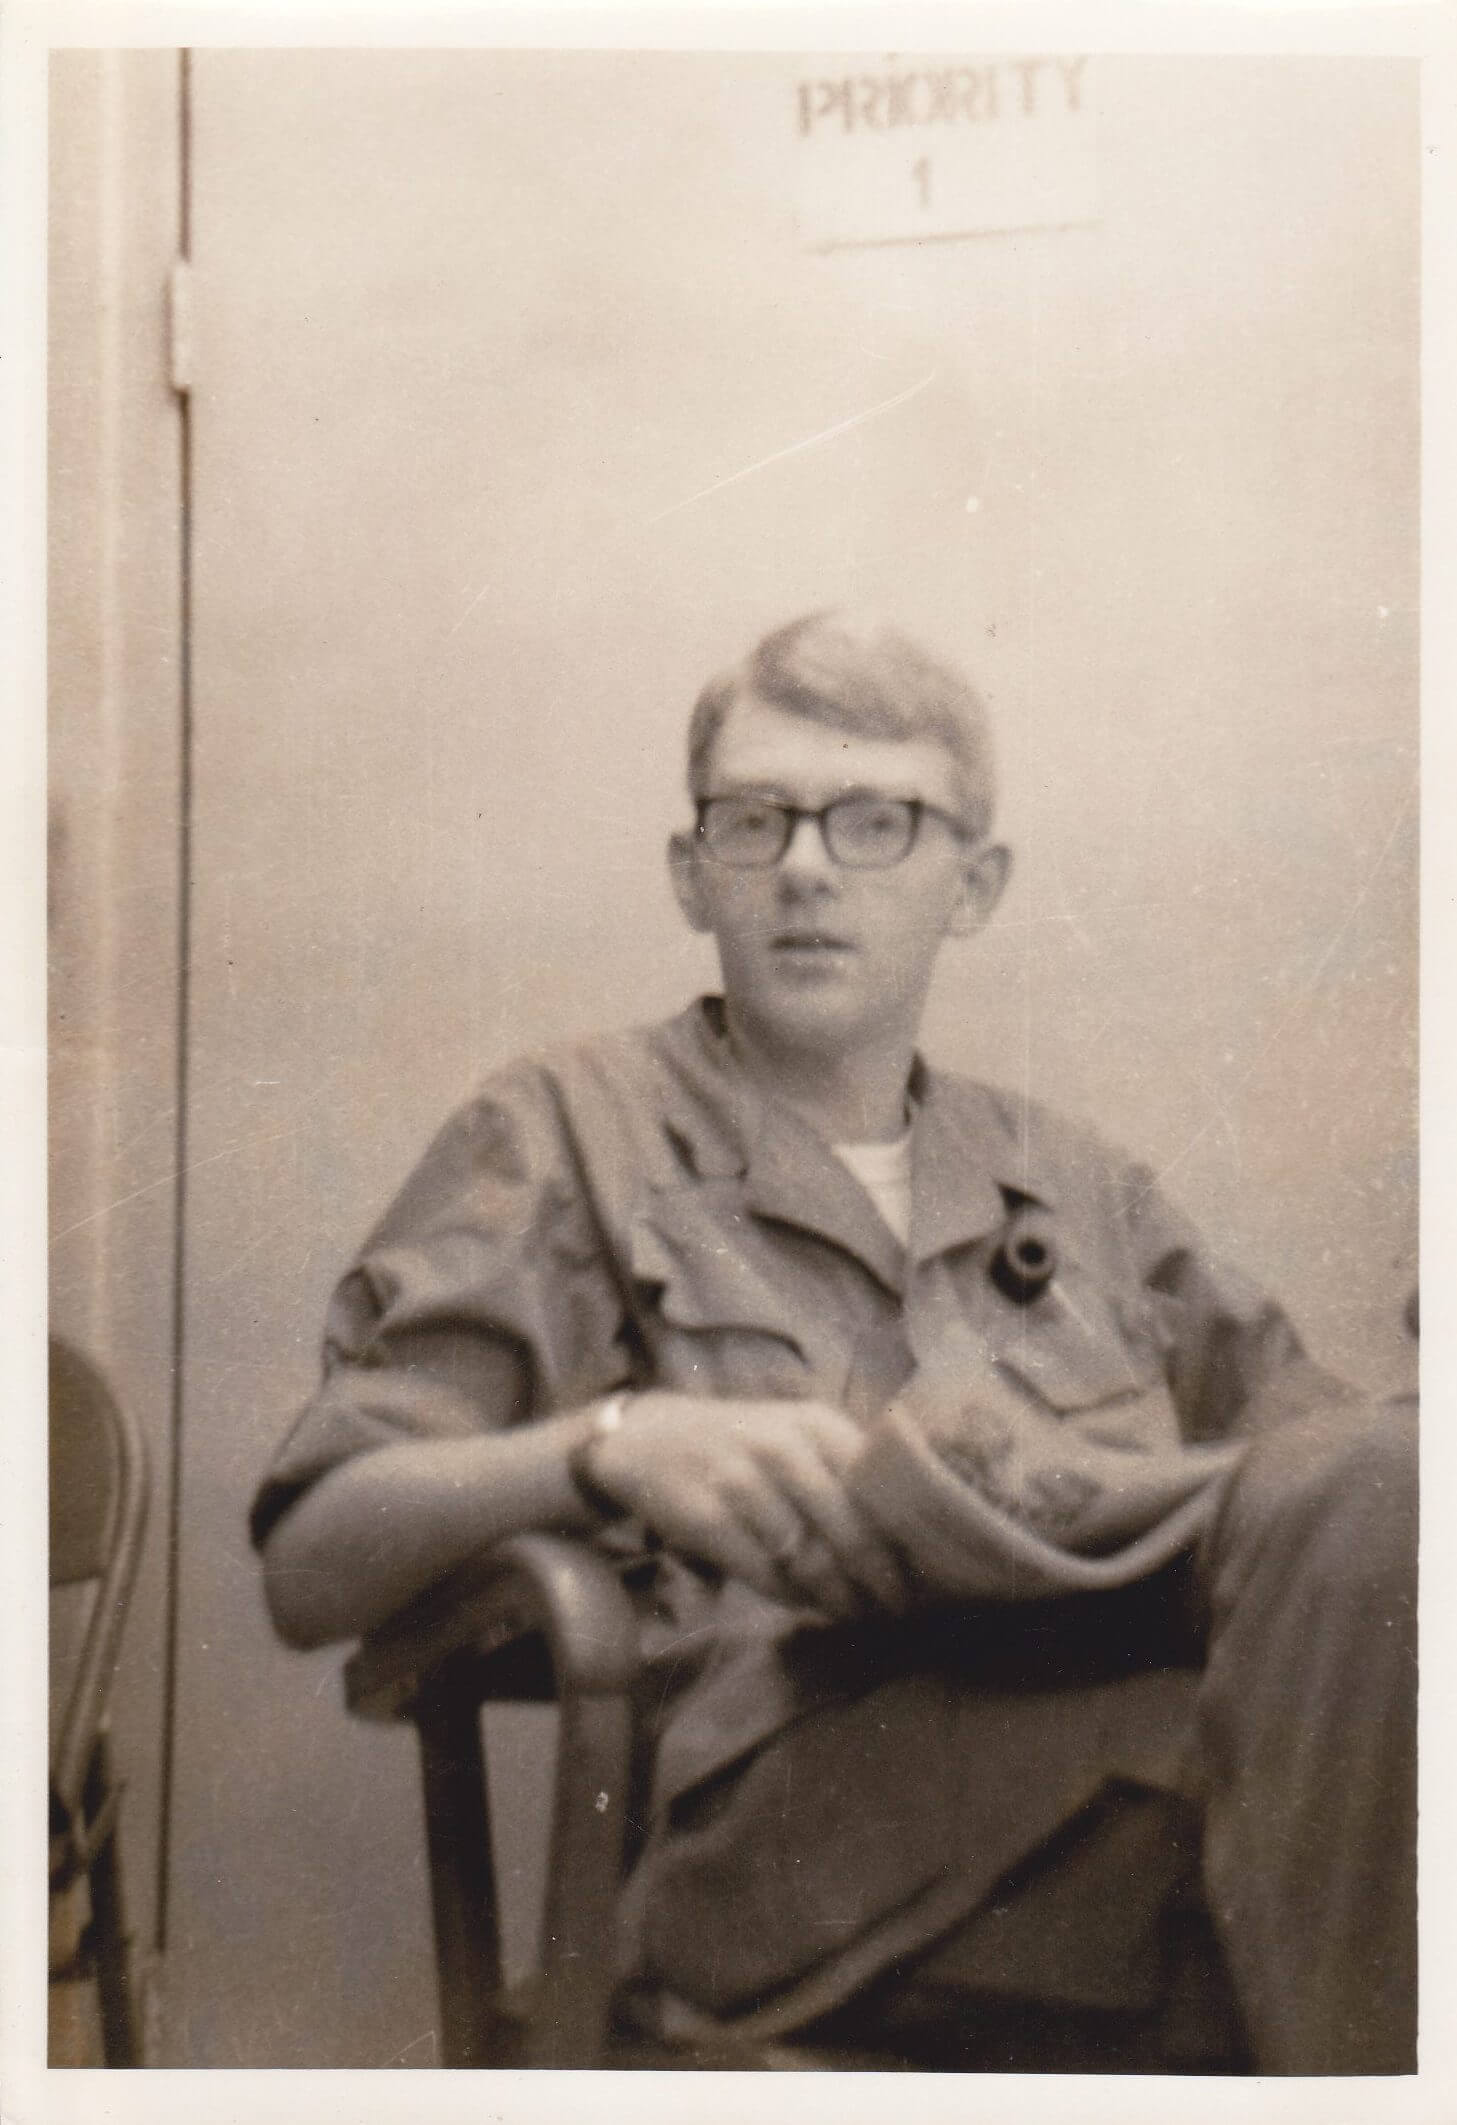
[(98, 1498)]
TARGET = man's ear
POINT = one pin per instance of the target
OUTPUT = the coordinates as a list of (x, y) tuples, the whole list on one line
[(983, 881), (687, 884)]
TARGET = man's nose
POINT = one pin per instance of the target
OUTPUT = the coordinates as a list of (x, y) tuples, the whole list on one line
[(807, 859)]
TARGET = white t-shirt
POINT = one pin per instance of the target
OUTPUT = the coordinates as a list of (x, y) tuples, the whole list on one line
[(884, 1172)]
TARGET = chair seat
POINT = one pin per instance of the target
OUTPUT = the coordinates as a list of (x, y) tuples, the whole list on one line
[(633, 2054)]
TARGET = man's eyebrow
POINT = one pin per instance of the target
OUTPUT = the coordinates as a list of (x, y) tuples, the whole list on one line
[(776, 793)]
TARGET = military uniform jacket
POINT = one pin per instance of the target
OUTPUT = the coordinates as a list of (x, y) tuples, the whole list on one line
[(631, 1214)]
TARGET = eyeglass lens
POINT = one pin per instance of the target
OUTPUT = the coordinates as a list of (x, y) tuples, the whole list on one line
[(864, 833)]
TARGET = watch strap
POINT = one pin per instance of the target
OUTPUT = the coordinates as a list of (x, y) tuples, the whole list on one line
[(601, 1422)]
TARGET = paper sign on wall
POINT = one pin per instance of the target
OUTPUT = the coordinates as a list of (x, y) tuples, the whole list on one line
[(901, 149)]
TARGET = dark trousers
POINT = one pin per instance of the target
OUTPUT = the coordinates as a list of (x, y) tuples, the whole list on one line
[(1307, 1741), (1304, 1768), (1253, 1715)]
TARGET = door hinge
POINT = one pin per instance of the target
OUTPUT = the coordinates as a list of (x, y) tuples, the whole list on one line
[(179, 326)]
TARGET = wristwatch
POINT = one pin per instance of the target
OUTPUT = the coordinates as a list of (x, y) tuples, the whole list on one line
[(605, 1419)]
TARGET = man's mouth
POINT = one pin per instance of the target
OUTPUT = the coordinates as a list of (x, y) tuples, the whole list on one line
[(810, 941)]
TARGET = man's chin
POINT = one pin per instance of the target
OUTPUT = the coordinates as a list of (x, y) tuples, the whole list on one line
[(825, 1014)]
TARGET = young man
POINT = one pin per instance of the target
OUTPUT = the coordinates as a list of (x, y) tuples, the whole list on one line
[(980, 1523)]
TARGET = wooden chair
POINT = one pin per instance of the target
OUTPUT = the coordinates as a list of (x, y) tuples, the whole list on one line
[(538, 1619), (543, 1618), (98, 1501)]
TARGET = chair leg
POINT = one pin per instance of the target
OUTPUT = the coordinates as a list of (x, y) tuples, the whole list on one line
[(120, 2030), (462, 1884), (569, 2024)]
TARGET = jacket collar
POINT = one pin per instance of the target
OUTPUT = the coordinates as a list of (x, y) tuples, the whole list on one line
[(965, 1152), (793, 1176)]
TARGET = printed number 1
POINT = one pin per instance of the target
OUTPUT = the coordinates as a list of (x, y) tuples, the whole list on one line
[(921, 171)]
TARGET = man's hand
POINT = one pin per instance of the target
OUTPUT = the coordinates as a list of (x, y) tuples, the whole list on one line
[(756, 1488)]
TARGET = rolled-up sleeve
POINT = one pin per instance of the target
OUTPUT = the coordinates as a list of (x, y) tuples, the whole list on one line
[(485, 1295)]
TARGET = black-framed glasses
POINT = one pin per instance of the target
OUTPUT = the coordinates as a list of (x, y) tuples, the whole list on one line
[(864, 833)]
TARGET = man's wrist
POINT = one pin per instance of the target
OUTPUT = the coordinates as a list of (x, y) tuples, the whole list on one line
[(599, 1423)]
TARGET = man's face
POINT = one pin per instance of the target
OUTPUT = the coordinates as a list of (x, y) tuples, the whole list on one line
[(814, 954)]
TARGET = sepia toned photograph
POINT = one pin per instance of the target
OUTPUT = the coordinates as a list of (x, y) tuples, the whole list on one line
[(732, 817)]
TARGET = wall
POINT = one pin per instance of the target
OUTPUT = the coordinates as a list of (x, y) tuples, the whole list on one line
[(475, 333)]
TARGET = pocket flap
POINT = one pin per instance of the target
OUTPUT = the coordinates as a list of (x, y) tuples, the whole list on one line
[(1074, 1351), (697, 1255)]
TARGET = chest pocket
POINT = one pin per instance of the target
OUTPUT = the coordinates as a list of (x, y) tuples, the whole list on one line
[(1091, 1359), (712, 1305)]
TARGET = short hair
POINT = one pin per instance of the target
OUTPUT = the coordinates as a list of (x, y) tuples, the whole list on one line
[(862, 676)]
